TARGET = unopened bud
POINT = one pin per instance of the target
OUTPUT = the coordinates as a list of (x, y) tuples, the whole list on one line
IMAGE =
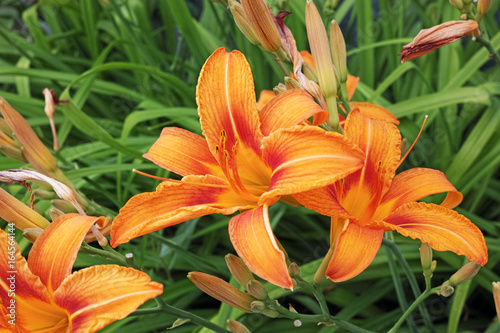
[(482, 7), (50, 111), (337, 46), (310, 72), (223, 291), (257, 290), (280, 88), (242, 22), (458, 4), (294, 269), (239, 270), (32, 234), (292, 309), (446, 290), (63, 206), (426, 258), (55, 213), (12, 152), (262, 22), (257, 306), (291, 83), (14, 211), (467, 272), (496, 297), (237, 327), (44, 194)]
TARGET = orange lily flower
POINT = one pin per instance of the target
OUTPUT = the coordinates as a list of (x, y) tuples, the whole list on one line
[(373, 200), (244, 163), (42, 295)]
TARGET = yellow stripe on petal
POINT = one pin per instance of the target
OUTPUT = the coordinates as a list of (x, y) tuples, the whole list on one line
[(292, 107), (184, 153), (305, 157), (172, 203), (99, 295), (53, 254), (442, 228), (354, 250), (226, 102), (253, 239), (415, 184)]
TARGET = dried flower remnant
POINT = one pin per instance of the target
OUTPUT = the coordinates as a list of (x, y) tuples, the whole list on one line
[(440, 35)]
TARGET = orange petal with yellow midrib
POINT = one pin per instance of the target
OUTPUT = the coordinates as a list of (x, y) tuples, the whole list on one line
[(226, 102), (305, 157), (443, 228), (292, 107), (254, 241), (172, 203), (184, 153), (51, 258), (354, 250), (99, 295)]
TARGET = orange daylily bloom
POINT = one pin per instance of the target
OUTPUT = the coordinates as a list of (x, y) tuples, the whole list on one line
[(47, 297), (373, 200), (244, 163)]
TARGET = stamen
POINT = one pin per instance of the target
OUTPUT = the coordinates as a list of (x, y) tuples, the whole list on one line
[(32, 196), (148, 175), (414, 142)]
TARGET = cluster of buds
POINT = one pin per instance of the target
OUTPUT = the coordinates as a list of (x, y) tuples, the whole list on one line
[(254, 300), (464, 274)]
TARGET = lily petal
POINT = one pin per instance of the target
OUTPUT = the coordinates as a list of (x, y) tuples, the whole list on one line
[(172, 203), (306, 157), (354, 250), (375, 112), (99, 295), (415, 184), (184, 153), (380, 142), (253, 239), (292, 107), (352, 84), (226, 102), (323, 200), (442, 228), (265, 97), (54, 252), (33, 308)]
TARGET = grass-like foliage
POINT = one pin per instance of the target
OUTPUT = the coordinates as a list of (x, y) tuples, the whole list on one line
[(129, 68)]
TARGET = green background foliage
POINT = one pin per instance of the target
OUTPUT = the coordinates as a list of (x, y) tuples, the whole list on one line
[(130, 67)]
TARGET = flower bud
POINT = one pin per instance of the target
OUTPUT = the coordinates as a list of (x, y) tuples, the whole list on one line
[(257, 290), (44, 194), (482, 7), (32, 234), (223, 291), (467, 272), (294, 269), (14, 211), (426, 258), (458, 4), (337, 46), (242, 22), (12, 152), (496, 297), (280, 88), (55, 213), (50, 111), (292, 84), (257, 306), (63, 206), (239, 270), (263, 25), (237, 327)]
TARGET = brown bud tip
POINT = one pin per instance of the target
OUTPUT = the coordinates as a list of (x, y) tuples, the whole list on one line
[(257, 290), (239, 270), (467, 272), (446, 290), (32, 234), (237, 327)]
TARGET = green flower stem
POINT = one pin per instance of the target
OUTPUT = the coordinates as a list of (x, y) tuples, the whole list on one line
[(317, 293), (168, 309), (109, 253), (486, 43), (427, 292), (411, 279), (323, 319)]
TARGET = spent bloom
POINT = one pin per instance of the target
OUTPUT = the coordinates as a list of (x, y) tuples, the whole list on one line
[(373, 200), (246, 162), (440, 35)]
